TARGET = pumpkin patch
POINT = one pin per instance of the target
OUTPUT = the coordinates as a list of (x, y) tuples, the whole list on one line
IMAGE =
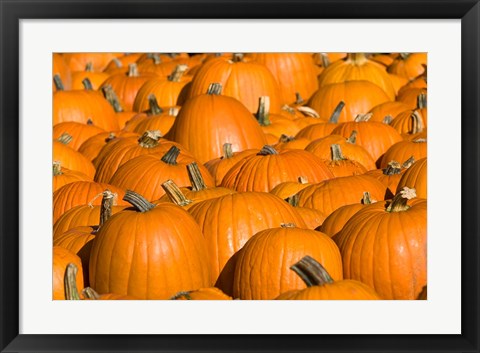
[(239, 176)]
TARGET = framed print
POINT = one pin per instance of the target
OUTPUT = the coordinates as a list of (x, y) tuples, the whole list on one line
[(160, 41)]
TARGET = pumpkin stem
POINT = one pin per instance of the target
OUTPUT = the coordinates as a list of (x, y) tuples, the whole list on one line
[(87, 84), (132, 70), (336, 113), (307, 111), (117, 62), (363, 117), (298, 98), (237, 57), (325, 60), (110, 137), (177, 73), (366, 200), (183, 294), (70, 282), (57, 168), (399, 201), (106, 207), (303, 180), (89, 122), (353, 137), (215, 89), (171, 156), (311, 272), (422, 100), (138, 201), (408, 163), (404, 56), (336, 153), (357, 59), (417, 123), (288, 109), (392, 168), (58, 83), (263, 112), (112, 98), (267, 150), (388, 119), (286, 138), (227, 150), (154, 108), (175, 194), (149, 139), (288, 225), (90, 293), (65, 138), (195, 177), (89, 67), (293, 200)]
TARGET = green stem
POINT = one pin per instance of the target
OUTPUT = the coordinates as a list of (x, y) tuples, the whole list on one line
[(138, 201), (171, 156), (263, 113), (154, 108), (336, 113), (58, 83), (311, 272)]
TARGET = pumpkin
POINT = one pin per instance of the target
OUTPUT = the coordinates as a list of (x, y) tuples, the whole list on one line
[(415, 177), (207, 121), (82, 106), (357, 67), (331, 194), (403, 150), (410, 96), (227, 222), (61, 71), (211, 293), (321, 286), (268, 168), (244, 81), (359, 97), (63, 176), (289, 188), (322, 148), (78, 61), (261, 270), (316, 131), (313, 218), (81, 193), (61, 258), (296, 73), (166, 91), (409, 65), (70, 158), (385, 246), (149, 251), (96, 78), (337, 219), (127, 86), (391, 174), (291, 143), (274, 124), (341, 166), (144, 174), (78, 131), (122, 115), (409, 122), (92, 146), (379, 112), (218, 167), (120, 63)]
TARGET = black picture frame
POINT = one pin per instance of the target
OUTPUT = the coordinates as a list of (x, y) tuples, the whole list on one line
[(12, 11)]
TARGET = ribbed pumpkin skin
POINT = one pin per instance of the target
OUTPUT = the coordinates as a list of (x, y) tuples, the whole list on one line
[(387, 250), (416, 177), (78, 61), (150, 255), (359, 98), (375, 137), (337, 219), (390, 181), (79, 132), (340, 290), (388, 108), (331, 194), (95, 78), (211, 293), (81, 215), (288, 188), (316, 131), (296, 72), (409, 96), (145, 175), (82, 105), (409, 67), (67, 176), (403, 150), (61, 258), (166, 92), (81, 193), (207, 121), (71, 159), (229, 221), (61, 69), (322, 148), (356, 67), (244, 81), (264, 172), (262, 269), (92, 147)]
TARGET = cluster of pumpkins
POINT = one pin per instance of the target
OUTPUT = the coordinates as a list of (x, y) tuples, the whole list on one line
[(219, 176)]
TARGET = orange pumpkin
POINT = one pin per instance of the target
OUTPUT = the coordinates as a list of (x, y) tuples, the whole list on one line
[(63, 176), (415, 177), (211, 293), (61, 258)]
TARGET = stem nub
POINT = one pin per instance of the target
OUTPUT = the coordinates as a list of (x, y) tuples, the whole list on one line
[(177, 73), (70, 282), (58, 83), (175, 194), (132, 70), (149, 139), (171, 156), (112, 98), (311, 272), (399, 201), (363, 117), (357, 58), (263, 112), (106, 207), (215, 89), (353, 137), (154, 108), (267, 150), (392, 168), (57, 168), (65, 138), (366, 200), (138, 201), (87, 84), (336, 113), (336, 153), (195, 177), (227, 150)]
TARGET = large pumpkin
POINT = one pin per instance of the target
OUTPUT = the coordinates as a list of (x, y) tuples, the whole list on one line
[(262, 268), (61, 258), (149, 252), (385, 246)]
